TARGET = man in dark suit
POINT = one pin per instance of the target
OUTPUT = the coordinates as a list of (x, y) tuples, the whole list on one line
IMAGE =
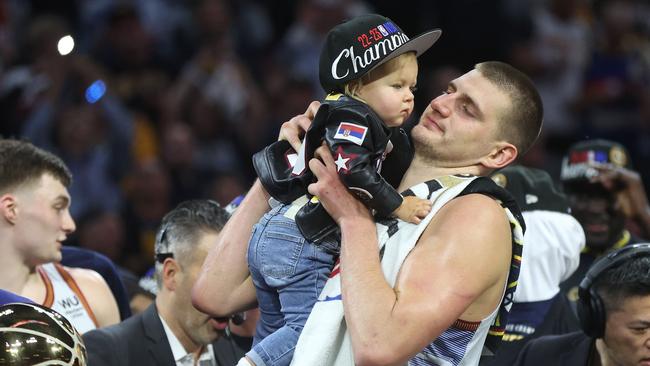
[(171, 331), (613, 310)]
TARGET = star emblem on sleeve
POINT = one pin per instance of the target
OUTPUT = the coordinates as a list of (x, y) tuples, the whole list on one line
[(342, 160), (341, 163)]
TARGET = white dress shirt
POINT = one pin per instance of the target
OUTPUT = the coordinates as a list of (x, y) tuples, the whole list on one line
[(181, 356)]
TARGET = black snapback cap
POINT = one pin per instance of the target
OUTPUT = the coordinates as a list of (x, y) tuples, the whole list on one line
[(533, 189), (578, 164), (361, 44)]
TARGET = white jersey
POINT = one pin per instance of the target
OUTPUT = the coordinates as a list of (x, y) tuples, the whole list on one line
[(325, 341), (64, 296)]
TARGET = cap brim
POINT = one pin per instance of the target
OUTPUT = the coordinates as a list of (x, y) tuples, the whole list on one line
[(418, 44)]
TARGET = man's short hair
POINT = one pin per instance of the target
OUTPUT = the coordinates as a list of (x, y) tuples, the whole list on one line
[(23, 163), (521, 124), (181, 229), (630, 279)]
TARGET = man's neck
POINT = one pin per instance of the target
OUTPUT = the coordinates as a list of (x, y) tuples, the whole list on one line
[(165, 306), (15, 273), (422, 170)]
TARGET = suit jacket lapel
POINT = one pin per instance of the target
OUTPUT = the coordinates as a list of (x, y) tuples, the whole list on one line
[(158, 345)]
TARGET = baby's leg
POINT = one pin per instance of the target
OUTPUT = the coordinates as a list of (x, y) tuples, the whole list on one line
[(296, 271)]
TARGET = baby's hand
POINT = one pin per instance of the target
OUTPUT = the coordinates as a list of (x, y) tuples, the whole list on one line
[(413, 209)]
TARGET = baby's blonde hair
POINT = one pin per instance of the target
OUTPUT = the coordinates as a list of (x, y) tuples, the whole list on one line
[(352, 87)]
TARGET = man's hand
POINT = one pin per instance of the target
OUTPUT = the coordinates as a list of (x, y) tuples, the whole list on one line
[(629, 191), (335, 197), (294, 129), (413, 209)]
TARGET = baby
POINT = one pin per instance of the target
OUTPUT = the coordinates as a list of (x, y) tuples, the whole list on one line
[(369, 68)]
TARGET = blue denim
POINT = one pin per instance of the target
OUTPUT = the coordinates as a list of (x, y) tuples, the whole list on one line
[(289, 273)]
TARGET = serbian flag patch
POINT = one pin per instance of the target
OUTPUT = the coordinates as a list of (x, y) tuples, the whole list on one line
[(351, 132)]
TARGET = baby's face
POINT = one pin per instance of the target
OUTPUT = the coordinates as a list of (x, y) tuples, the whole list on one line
[(391, 95)]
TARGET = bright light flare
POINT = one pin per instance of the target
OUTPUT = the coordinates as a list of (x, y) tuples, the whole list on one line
[(65, 45)]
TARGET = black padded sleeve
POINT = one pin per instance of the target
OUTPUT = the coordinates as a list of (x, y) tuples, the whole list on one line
[(357, 156)]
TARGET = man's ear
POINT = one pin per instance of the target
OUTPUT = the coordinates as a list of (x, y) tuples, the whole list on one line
[(9, 208), (502, 155), (169, 273)]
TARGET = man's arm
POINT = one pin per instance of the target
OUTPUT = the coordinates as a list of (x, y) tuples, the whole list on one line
[(98, 294), (456, 271), (224, 285), (630, 192)]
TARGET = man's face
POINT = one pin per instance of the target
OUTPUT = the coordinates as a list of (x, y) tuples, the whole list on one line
[(460, 127), (43, 220), (599, 213), (627, 333), (199, 327)]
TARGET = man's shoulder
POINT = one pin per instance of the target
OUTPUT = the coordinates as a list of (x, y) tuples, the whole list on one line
[(91, 284), (119, 344), (121, 332), (464, 210), (477, 206), (87, 281), (557, 341), (566, 349), (84, 276)]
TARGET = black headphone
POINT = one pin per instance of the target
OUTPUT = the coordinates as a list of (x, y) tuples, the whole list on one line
[(591, 310)]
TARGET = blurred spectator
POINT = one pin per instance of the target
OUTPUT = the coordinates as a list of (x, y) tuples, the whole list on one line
[(102, 232), (555, 55), (555, 58), (24, 80), (6, 46), (552, 244), (215, 70), (215, 92), (94, 142), (12, 18), (299, 49), (606, 197), (616, 92), (180, 155), (75, 114), (128, 51), (142, 291), (253, 31), (284, 91), (226, 187), (148, 192), (617, 78)]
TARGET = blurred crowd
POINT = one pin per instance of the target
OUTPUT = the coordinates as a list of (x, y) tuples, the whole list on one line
[(153, 102)]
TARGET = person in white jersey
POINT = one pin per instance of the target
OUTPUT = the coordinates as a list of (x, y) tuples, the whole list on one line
[(444, 296), (34, 222)]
